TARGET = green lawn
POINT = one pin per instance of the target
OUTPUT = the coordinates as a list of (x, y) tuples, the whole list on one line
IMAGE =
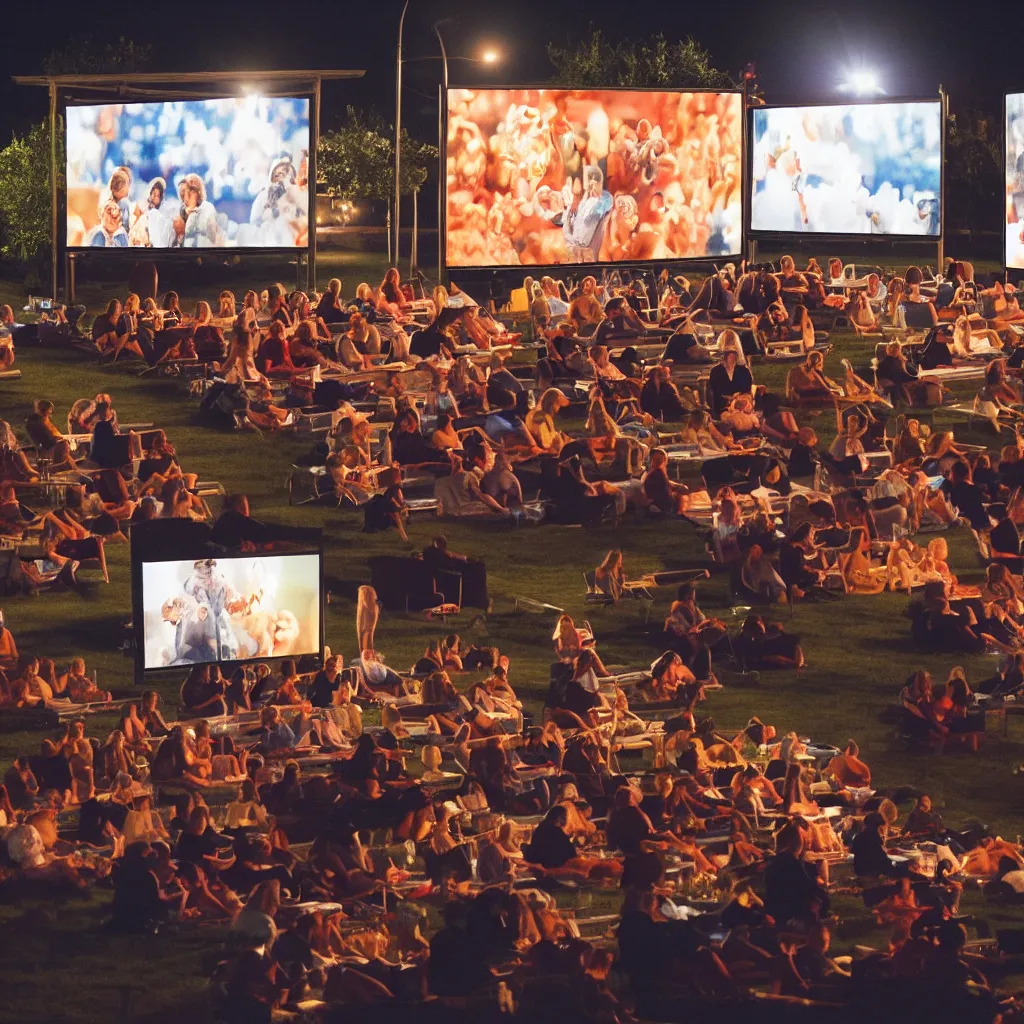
[(858, 654)]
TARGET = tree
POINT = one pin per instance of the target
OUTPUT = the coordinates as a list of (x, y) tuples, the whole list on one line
[(357, 161), (25, 193), (974, 172), (91, 56), (654, 63), (25, 162)]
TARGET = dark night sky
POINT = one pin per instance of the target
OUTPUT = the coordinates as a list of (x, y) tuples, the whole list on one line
[(800, 50)]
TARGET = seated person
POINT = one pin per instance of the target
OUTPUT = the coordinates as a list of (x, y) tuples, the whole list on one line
[(359, 347), (408, 445), (105, 328), (460, 494), (806, 382), (503, 424), (761, 646), (603, 368), (861, 315), (658, 490), (759, 576), (917, 309), (620, 322), (660, 398), (49, 442), (273, 358), (772, 326), (586, 308), (728, 377), (684, 347)]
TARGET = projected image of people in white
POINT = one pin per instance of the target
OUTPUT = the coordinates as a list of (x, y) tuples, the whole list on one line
[(189, 174), (230, 609), (863, 169), (1015, 180)]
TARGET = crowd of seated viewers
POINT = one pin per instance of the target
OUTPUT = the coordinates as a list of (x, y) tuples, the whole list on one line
[(262, 800), (194, 816)]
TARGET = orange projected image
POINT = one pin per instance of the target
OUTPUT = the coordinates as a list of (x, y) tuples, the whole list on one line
[(548, 177)]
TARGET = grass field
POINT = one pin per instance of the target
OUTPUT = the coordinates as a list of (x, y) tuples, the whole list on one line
[(58, 963)]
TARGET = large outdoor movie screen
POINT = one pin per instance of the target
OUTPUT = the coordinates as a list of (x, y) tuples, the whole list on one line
[(547, 177), (230, 609), (191, 174), (849, 169), (1015, 180)]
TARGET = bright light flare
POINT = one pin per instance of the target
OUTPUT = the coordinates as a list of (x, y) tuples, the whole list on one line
[(490, 57), (863, 83)]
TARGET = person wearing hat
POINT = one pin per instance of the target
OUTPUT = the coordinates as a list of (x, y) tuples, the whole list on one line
[(265, 205)]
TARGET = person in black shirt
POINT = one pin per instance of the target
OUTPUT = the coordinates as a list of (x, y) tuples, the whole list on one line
[(1003, 539), (325, 685), (235, 527), (936, 353), (408, 445), (111, 449), (330, 308), (803, 456), (473, 573), (894, 376), (966, 497), (1011, 467), (869, 856), (200, 843), (550, 846), (728, 378)]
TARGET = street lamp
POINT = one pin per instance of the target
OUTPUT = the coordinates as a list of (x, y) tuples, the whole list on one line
[(862, 82), (488, 56)]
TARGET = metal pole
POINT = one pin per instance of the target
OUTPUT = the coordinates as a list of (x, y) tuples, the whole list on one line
[(414, 254), (398, 135), (442, 161), (311, 171), (944, 109), (54, 255)]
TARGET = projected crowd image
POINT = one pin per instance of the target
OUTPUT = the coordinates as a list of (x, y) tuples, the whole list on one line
[(230, 609), (1015, 180), (189, 174), (863, 169), (546, 177)]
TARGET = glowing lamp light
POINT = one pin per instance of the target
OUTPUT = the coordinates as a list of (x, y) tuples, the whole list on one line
[(863, 83), (490, 56)]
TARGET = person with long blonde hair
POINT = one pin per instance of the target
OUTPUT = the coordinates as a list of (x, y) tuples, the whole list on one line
[(226, 304), (367, 614), (608, 439), (330, 308)]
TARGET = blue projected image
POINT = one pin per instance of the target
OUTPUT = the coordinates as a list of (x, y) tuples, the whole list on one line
[(856, 168), (229, 172)]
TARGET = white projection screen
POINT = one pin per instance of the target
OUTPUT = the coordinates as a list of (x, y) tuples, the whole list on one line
[(848, 169), (228, 173)]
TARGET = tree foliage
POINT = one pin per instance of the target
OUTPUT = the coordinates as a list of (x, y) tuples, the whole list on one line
[(25, 193), (25, 161), (974, 173), (357, 161), (92, 56), (653, 63)]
